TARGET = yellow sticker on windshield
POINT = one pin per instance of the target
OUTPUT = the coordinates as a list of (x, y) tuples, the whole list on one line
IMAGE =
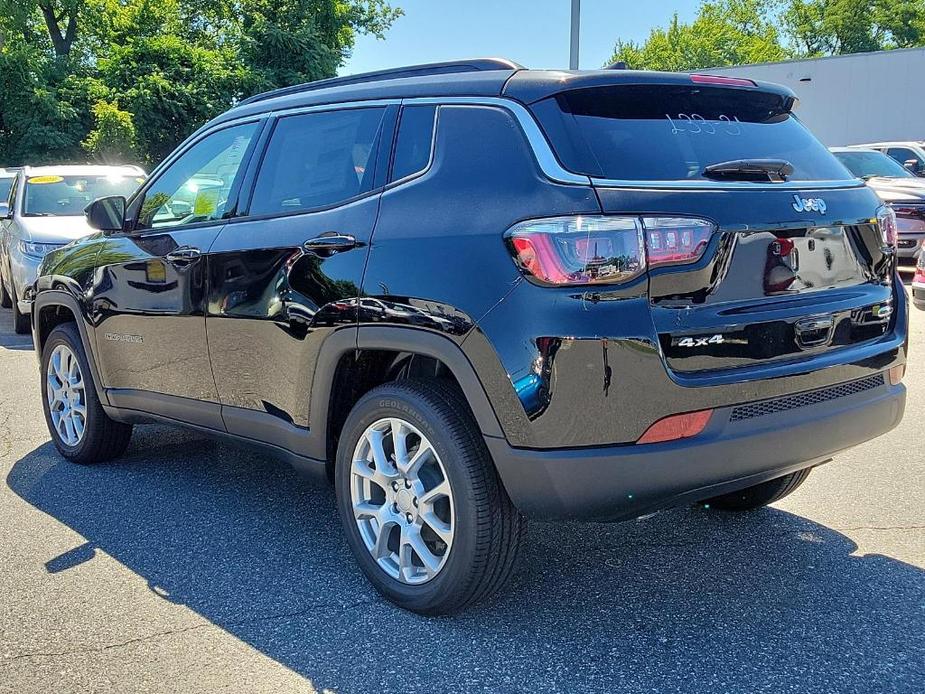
[(45, 179), (206, 202)]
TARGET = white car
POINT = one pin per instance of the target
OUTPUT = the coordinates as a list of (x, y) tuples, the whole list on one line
[(45, 211), (897, 187), (909, 153)]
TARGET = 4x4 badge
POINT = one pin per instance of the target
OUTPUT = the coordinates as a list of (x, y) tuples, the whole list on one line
[(808, 204)]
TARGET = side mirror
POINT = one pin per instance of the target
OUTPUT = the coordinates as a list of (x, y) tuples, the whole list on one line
[(106, 214), (5, 211), (912, 165)]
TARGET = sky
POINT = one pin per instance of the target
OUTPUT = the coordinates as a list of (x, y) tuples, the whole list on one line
[(534, 34)]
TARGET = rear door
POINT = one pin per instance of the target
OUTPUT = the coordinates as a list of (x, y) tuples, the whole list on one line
[(287, 275), (745, 265), (149, 289)]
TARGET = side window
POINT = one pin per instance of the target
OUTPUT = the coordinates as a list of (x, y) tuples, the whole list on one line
[(415, 139), (195, 187), (316, 160), (902, 155)]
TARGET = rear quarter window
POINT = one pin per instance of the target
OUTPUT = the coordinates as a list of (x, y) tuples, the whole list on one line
[(672, 132), (415, 138)]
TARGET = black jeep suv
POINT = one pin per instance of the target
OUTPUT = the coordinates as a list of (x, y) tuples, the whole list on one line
[(470, 293)]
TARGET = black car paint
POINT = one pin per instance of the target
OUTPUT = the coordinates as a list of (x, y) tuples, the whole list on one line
[(245, 339)]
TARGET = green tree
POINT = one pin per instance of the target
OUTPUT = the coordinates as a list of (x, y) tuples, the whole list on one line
[(724, 32), (829, 27), (112, 140), (108, 77)]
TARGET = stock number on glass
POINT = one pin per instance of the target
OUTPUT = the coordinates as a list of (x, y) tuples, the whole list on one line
[(695, 124)]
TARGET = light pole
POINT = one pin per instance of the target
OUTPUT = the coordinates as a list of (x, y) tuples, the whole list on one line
[(576, 25)]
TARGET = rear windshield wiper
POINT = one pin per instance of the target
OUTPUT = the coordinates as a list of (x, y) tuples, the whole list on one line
[(774, 170)]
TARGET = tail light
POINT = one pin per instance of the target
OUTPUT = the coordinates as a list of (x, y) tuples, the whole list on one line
[(886, 220), (672, 240), (592, 250)]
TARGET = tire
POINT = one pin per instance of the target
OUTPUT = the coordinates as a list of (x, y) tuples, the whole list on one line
[(486, 528), (22, 323), (761, 494), (101, 438)]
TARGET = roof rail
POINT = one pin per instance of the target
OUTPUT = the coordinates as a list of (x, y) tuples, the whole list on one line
[(449, 67)]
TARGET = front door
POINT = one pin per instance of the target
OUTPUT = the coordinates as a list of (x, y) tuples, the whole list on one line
[(287, 274), (149, 290)]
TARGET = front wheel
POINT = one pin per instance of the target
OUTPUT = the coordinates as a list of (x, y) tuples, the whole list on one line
[(79, 427), (424, 511), (760, 494)]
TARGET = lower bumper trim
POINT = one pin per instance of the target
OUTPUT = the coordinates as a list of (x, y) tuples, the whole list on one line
[(627, 481)]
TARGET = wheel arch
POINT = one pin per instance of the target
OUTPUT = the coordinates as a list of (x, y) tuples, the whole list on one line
[(54, 307), (403, 343)]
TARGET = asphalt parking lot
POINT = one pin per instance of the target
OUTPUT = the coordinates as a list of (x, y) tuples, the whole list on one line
[(195, 566)]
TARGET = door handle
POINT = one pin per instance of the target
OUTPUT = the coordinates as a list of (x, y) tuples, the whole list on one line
[(184, 255), (330, 243)]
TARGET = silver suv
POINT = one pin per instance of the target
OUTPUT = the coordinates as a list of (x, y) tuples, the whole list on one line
[(44, 211)]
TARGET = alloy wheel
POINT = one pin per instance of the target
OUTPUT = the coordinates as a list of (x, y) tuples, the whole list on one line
[(66, 396), (402, 501)]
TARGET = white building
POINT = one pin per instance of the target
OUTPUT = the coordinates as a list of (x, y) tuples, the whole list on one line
[(849, 99)]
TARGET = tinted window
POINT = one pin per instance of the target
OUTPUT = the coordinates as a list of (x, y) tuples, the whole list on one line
[(869, 164), (671, 132), (902, 155), (317, 159), (415, 137), (196, 186), (50, 196)]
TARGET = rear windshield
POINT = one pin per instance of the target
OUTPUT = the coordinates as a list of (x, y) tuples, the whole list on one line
[(671, 132), (50, 196)]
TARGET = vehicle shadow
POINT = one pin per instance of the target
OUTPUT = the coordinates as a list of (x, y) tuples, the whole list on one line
[(688, 600)]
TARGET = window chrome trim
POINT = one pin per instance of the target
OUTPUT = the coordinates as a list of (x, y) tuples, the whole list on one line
[(430, 158), (542, 150), (701, 184)]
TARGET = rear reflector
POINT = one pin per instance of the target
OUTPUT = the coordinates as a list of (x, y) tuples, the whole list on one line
[(896, 374), (679, 426), (725, 81)]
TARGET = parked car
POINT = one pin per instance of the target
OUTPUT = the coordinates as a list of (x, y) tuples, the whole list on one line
[(6, 182), (918, 283), (911, 154), (646, 290), (896, 186), (46, 211)]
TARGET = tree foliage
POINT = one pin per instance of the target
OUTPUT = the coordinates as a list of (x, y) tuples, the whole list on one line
[(733, 32), (127, 80)]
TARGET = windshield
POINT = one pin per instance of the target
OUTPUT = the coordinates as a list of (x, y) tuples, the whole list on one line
[(51, 196), (672, 132), (870, 164)]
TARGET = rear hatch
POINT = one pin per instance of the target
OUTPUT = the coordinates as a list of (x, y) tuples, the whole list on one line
[(795, 266)]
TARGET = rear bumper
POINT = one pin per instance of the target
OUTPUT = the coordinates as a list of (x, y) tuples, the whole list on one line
[(738, 449)]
